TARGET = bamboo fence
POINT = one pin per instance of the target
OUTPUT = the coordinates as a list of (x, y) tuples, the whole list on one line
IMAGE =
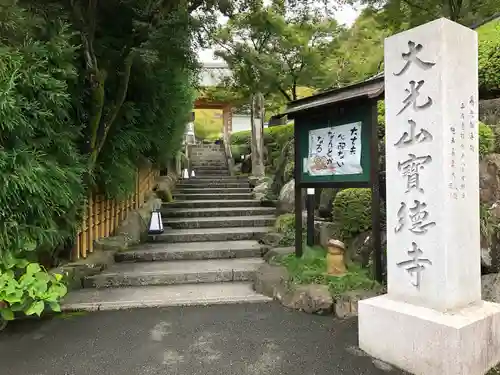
[(102, 216)]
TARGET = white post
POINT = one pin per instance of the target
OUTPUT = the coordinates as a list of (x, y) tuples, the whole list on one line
[(432, 320)]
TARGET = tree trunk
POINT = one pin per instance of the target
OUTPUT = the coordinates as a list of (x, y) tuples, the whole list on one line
[(257, 140)]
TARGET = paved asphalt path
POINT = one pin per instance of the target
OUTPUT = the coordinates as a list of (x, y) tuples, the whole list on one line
[(251, 339)]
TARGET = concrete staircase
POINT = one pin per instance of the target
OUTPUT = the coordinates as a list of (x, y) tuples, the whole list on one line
[(208, 253)]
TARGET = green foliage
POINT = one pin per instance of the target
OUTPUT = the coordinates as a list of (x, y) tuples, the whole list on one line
[(275, 139), (242, 138), (85, 102), (41, 169), (27, 288), (239, 150), (352, 212), (165, 195), (285, 224), (489, 58), (311, 269), (151, 123), (207, 125), (403, 14), (360, 53), (270, 49), (486, 140)]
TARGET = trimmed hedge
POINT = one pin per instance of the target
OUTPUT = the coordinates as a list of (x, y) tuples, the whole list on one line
[(275, 138), (489, 59), (352, 213)]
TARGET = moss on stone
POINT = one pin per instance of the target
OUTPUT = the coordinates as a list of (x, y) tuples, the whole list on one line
[(165, 195), (486, 140), (285, 225)]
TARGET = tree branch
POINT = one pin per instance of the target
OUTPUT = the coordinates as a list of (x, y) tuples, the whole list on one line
[(120, 99), (285, 94), (417, 6)]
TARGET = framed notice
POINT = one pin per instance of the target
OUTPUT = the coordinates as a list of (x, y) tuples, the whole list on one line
[(335, 148)]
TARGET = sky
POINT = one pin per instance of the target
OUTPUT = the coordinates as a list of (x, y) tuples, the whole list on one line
[(345, 15)]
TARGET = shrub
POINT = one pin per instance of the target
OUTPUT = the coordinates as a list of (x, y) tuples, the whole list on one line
[(486, 140), (489, 58), (26, 287), (41, 169), (241, 138), (352, 212), (285, 224), (238, 150), (275, 138)]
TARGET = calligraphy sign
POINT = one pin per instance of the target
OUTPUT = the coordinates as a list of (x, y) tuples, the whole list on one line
[(336, 148)]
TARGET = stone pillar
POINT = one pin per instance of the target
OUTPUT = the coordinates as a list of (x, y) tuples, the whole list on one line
[(257, 145), (432, 320), (227, 118)]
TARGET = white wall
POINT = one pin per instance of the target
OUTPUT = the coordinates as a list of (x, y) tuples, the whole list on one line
[(242, 122)]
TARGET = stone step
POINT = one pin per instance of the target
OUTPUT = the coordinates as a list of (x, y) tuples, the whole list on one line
[(221, 178), (220, 222), (191, 251), (207, 155), (210, 163), (211, 203), (161, 296), (210, 234), (214, 181), (213, 190), (211, 173), (210, 167), (178, 272), (218, 160), (220, 195), (214, 185), (217, 212)]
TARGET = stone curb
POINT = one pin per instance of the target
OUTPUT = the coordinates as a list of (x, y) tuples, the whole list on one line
[(111, 306), (272, 281)]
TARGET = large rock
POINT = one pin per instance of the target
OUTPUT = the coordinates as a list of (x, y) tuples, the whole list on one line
[(346, 305), (489, 182), (271, 239), (271, 280), (73, 273), (312, 299), (165, 185), (286, 198), (261, 190), (275, 252), (489, 111), (326, 231), (326, 202), (490, 285), (360, 249), (282, 173), (134, 229), (489, 192)]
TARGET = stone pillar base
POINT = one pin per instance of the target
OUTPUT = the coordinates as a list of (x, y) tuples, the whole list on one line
[(427, 342)]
